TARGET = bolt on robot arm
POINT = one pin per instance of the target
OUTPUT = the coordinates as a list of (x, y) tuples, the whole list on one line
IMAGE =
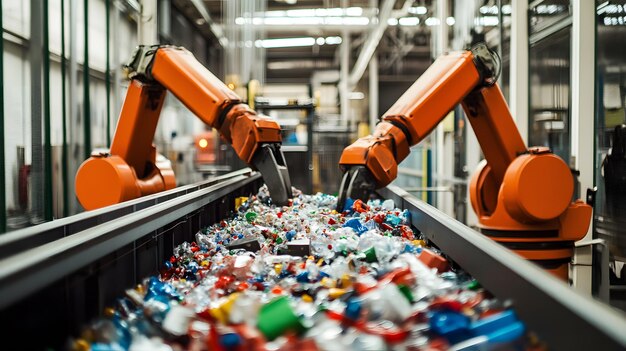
[(515, 190), (131, 169)]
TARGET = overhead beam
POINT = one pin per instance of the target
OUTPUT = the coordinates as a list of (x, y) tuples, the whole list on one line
[(373, 92), (370, 45), (325, 30), (344, 69), (518, 86), (216, 29)]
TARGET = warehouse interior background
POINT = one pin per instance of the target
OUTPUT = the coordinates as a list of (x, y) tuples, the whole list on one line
[(326, 70)]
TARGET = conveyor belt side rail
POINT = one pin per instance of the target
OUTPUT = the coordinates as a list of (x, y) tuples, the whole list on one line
[(562, 317), (31, 237), (27, 271)]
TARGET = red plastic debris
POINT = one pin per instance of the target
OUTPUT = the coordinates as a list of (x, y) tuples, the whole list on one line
[(433, 260), (360, 206)]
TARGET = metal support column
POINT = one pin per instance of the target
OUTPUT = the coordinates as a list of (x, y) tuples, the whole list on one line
[(344, 67), (582, 123), (115, 54), (74, 134), (47, 158), (64, 156), (472, 158), (373, 92), (373, 78), (86, 97), (3, 205), (440, 151), (147, 25), (518, 96), (107, 70), (441, 41), (310, 122), (37, 160)]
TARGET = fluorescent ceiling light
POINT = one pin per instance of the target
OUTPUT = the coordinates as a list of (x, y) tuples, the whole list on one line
[(301, 13), (492, 10), (409, 21), (354, 11), (356, 95), (487, 21), (285, 42), (601, 6), (419, 10), (321, 12), (611, 9), (356, 21), (614, 21), (272, 14), (295, 42), (316, 21), (392, 21), (432, 21), (299, 64), (333, 40), (549, 9), (289, 21), (450, 21), (332, 12)]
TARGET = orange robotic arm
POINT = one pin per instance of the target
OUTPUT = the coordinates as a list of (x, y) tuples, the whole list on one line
[(419, 110), (521, 195), (131, 169)]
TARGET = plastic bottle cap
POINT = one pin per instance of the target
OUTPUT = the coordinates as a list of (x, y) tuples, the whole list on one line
[(370, 255), (277, 317), (251, 216), (230, 340)]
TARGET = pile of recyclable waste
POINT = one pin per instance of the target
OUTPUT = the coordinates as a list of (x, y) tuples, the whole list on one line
[(306, 277)]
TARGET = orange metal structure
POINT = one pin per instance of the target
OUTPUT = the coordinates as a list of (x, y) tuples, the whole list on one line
[(130, 169), (522, 196)]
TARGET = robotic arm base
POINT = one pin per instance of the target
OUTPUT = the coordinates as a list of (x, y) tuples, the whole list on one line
[(104, 180)]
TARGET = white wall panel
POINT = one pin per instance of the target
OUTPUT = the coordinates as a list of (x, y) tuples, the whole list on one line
[(16, 115), (16, 17)]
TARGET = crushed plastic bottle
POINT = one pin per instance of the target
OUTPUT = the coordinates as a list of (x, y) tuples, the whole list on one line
[(307, 277)]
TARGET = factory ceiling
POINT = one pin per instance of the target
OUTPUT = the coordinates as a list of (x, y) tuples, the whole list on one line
[(404, 49)]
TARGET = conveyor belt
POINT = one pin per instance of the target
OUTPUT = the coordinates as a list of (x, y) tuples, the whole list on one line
[(57, 276)]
